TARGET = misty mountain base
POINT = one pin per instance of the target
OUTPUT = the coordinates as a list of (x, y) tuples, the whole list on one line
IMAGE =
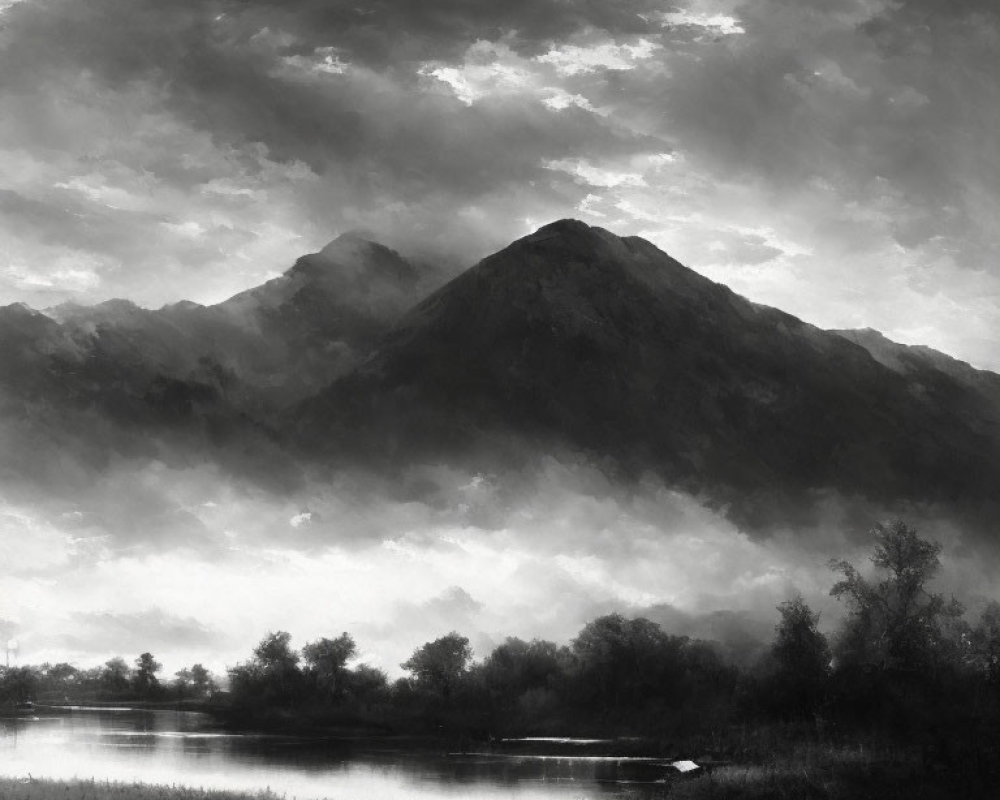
[(569, 340)]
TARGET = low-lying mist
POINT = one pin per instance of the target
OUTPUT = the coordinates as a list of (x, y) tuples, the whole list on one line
[(195, 565)]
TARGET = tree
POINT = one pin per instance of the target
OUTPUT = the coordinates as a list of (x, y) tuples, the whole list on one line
[(202, 682), (272, 677), (623, 662), (366, 684), (801, 658), (326, 660), (114, 678), (893, 621), (144, 680), (516, 667), (985, 643), (18, 684), (440, 665), (275, 653), (182, 683)]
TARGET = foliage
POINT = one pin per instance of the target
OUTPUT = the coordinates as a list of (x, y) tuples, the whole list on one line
[(439, 666), (17, 684), (984, 644), (801, 661), (272, 677), (115, 677), (326, 663), (894, 622), (195, 682), (144, 679)]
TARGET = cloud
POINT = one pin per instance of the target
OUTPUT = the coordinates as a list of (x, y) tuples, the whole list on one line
[(859, 131), (571, 59), (717, 24), (172, 560), (153, 630)]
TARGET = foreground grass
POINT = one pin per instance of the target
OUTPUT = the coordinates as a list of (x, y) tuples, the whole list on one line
[(24, 789), (814, 772)]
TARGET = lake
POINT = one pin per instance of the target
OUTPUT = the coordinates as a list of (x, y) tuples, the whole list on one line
[(185, 748)]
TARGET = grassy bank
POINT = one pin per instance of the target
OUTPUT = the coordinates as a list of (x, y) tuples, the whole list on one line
[(23, 789), (817, 771)]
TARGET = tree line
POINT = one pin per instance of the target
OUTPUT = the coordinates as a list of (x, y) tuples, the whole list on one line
[(115, 680), (905, 661)]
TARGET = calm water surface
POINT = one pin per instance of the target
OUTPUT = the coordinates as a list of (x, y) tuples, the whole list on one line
[(183, 748)]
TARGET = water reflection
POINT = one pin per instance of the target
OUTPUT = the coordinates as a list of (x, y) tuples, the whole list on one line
[(184, 748)]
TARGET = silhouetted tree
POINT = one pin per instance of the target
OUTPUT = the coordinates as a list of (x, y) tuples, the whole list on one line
[(366, 685), (202, 682), (517, 668), (275, 652), (893, 621), (182, 684), (196, 682), (618, 660), (18, 684), (271, 678), (984, 644), (801, 658), (326, 662), (114, 678), (144, 679), (440, 665)]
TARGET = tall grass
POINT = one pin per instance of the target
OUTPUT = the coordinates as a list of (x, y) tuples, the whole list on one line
[(34, 789)]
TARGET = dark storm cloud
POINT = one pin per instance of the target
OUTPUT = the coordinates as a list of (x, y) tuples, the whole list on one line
[(325, 115), (388, 32), (889, 103)]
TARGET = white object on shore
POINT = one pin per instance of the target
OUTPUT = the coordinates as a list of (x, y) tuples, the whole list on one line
[(685, 766)]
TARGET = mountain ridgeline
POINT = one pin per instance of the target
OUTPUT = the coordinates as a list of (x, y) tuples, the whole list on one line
[(571, 339)]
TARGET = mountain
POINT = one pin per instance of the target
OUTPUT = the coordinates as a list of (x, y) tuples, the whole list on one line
[(574, 337), (570, 340), (973, 394), (268, 346), (114, 378), (320, 318)]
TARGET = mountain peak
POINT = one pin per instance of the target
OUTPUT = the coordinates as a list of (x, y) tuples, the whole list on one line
[(350, 243), (564, 226), (574, 231)]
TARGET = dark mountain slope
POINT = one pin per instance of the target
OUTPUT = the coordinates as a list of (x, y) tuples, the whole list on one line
[(578, 337), (257, 351), (319, 319), (117, 378), (970, 393)]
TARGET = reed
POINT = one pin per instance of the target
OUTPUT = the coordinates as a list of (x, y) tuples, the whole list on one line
[(37, 789)]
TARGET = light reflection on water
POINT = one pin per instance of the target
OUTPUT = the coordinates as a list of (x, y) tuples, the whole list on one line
[(181, 748)]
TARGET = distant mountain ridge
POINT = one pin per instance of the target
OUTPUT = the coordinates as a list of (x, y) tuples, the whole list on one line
[(571, 337)]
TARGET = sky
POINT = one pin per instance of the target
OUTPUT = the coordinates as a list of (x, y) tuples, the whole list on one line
[(835, 158)]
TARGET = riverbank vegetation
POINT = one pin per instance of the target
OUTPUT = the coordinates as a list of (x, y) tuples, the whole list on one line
[(907, 675), (33, 789)]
